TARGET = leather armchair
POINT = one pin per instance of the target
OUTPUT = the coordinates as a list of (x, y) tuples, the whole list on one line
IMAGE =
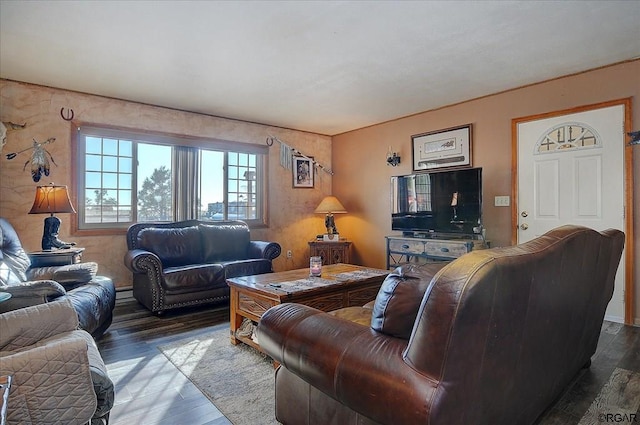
[(92, 296), (497, 337), (58, 375)]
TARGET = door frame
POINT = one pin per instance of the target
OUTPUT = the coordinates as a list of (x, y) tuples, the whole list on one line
[(628, 189)]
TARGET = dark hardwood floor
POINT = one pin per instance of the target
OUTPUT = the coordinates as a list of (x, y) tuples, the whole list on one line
[(150, 390)]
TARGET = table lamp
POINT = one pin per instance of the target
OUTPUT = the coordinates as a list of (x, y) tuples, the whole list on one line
[(49, 200), (329, 206)]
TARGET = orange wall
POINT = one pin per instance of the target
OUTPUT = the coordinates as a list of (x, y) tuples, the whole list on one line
[(362, 179), (292, 221)]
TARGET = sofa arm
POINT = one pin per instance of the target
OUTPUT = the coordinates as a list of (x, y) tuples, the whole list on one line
[(68, 274), (27, 326), (51, 383), (142, 261), (351, 363), (31, 293), (262, 249)]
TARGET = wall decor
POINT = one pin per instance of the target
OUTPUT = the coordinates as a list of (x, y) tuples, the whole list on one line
[(39, 158), (287, 151), (450, 147), (303, 171)]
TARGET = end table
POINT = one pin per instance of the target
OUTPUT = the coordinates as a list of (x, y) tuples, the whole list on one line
[(58, 257), (331, 252)]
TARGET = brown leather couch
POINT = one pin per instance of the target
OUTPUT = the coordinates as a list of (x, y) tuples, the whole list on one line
[(186, 263), (498, 336)]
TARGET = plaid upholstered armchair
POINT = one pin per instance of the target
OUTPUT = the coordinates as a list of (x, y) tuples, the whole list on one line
[(58, 375)]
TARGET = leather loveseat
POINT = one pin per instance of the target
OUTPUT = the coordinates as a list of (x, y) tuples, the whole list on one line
[(186, 263), (92, 296), (497, 337)]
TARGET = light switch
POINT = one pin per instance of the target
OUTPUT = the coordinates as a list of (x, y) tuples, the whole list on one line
[(502, 201)]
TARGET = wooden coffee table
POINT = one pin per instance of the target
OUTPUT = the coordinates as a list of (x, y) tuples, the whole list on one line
[(341, 285)]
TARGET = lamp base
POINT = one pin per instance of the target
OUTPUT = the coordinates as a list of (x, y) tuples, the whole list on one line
[(50, 235)]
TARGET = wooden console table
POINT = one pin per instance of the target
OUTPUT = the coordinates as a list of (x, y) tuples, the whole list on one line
[(415, 250), (341, 285)]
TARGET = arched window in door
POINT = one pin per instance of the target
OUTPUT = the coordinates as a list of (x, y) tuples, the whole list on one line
[(570, 135)]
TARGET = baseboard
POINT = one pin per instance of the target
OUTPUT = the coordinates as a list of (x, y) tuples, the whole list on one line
[(124, 293)]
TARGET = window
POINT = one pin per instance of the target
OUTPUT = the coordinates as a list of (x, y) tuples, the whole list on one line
[(243, 198), (567, 136), (126, 177)]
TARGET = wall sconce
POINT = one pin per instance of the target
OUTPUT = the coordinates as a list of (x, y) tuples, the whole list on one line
[(393, 158), (635, 137)]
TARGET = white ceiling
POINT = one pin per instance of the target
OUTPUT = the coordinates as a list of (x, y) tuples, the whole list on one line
[(325, 67)]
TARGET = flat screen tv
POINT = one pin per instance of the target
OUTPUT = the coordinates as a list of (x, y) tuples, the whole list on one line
[(437, 202)]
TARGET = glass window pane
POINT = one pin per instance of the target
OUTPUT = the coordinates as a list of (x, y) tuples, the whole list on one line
[(124, 197), (92, 179), (243, 159), (110, 164), (211, 185), (93, 162), (126, 148), (233, 158), (125, 165), (124, 181), (109, 147), (154, 183), (93, 145), (110, 181), (125, 214)]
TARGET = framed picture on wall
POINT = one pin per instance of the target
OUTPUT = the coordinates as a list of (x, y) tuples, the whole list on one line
[(443, 148), (303, 172)]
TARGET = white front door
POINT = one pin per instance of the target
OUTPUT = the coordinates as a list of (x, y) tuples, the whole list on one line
[(571, 171)]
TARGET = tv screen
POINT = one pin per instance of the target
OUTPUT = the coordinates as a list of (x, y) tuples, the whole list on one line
[(446, 202)]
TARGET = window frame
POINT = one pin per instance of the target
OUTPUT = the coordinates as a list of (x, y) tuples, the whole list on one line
[(80, 227)]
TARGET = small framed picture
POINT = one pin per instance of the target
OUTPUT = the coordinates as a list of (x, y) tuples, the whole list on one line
[(443, 148), (303, 172)]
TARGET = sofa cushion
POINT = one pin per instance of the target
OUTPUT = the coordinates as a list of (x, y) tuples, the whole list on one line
[(224, 242), (246, 267), (194, 278), (399, 298), (174, 246), (361, 315)]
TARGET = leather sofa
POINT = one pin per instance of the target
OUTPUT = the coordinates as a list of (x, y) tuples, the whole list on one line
[(186, 263), (92, 296), (57, 373), (497, 337)]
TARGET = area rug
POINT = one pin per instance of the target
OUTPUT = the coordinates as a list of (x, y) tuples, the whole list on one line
[(237, 379)]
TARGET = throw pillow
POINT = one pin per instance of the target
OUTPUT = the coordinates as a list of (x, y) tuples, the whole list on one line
[(399, 298)]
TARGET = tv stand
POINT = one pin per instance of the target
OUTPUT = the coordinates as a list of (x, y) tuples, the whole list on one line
[(422, 247)]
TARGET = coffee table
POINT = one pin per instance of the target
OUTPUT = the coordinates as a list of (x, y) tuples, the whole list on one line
[(341, 285)]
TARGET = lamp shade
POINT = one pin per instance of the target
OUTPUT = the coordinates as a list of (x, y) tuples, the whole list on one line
[(52, 199), (330, 204)]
